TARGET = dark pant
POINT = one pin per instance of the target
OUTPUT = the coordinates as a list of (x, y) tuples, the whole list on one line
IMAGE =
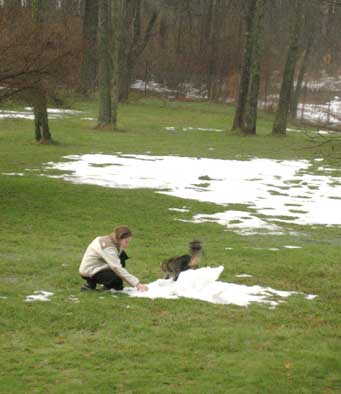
[(107, 278)]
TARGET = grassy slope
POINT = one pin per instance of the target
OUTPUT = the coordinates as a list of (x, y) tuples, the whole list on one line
[(109, 344)]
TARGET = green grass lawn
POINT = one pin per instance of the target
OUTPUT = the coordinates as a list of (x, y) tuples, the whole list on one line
[(116, 344)]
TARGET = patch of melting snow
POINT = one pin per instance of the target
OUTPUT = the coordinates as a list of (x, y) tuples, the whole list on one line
[(150, 85), (255, 248), (332, 84), (200, 129), (202, 284), (243, 276), (13, 173), (40, 295), (53, 113), (189, 128), (275, 249), (310, 296), (179, 209), (322, 113), (73, 299), (256, 183), (188, 90), (320, 132), (325, 114), (240, 221)]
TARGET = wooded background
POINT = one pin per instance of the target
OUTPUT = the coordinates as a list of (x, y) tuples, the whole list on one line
[(242, 51)]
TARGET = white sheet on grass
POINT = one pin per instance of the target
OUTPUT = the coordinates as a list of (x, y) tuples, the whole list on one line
[(202, 284)]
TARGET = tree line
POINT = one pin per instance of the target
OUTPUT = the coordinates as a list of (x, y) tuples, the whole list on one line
[(245, 50)]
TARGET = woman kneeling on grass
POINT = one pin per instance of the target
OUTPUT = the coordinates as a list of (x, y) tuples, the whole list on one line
[(104, 262)]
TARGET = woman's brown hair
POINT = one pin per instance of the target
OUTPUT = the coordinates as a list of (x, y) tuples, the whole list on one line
[(122, 232)]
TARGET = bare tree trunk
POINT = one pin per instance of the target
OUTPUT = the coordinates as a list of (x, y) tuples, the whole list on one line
[(41, 124), (37, 11), (311, 14), (211, 48), (89, 62), (104, 66), (39, 100), (133, 44), (298, 88), (250, 116), (126, 79), (246, 65), (127, 9), (266, 89), (71, 7), (117, 10), (13, 3), (280, 123)]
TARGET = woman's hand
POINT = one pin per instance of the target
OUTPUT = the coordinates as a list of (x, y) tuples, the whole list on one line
[(142, 287)]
